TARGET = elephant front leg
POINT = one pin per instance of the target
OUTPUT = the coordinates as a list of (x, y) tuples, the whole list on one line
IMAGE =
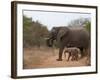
[(60, 54)]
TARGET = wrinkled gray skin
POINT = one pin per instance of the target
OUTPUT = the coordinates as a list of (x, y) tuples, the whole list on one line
[(73, 52), (67, 37)]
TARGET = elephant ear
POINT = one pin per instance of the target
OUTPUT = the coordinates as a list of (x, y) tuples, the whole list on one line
[(62, 31)]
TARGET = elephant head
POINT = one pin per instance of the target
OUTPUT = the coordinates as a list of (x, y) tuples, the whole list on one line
[(57, 34)]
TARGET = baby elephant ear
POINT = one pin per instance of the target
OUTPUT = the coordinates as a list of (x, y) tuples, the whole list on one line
[(62, 32)]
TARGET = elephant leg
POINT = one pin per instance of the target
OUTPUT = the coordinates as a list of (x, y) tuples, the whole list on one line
[(73, 58), (69, 56), (65, 54), (60, 54), (86, 52), (82, 52), (77, 57)]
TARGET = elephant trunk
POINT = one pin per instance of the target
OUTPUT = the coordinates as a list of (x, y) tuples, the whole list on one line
[(49, 42)]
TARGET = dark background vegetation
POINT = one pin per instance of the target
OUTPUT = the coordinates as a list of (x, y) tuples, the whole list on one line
[(35, 33)]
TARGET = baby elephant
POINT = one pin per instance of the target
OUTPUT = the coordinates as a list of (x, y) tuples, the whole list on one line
[(73, 52)]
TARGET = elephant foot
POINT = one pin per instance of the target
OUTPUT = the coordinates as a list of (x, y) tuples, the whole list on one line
[(59, 59)]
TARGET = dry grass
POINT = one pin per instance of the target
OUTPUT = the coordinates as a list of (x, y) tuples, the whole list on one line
[(46, 57)]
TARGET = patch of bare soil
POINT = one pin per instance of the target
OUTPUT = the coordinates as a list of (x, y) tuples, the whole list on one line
[(46, 58)]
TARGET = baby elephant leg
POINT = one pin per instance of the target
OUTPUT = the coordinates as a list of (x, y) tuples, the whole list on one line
[(73, 58), (69, 56), (76, 57)]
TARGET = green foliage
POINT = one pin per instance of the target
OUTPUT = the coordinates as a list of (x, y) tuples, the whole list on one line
[(88, 26), (77, 22), (34, 33), (81, 22)]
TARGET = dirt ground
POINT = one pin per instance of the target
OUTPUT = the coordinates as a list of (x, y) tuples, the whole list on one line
[(46, 58)]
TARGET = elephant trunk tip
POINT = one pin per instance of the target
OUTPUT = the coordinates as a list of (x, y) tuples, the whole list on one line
[(48, 42)]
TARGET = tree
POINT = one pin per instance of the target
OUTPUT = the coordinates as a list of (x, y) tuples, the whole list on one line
[(88, 26), (34, 32), (81, 22)]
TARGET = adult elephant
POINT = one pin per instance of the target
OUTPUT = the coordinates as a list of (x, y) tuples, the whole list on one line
[(69, 37)]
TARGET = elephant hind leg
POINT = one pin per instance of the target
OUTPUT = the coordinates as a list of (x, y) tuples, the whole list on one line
[(82, 52)]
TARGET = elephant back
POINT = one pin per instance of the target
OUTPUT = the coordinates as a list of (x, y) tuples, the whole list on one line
[(80, 37)]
